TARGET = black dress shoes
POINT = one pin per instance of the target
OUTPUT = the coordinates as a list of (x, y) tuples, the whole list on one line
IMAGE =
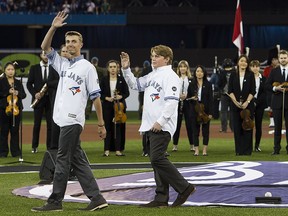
[(275, 153)]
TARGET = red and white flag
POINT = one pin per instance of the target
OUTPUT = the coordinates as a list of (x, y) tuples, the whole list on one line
[(237, 37)]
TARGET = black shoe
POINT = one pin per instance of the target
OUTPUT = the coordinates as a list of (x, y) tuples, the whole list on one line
[(275, 153), (48, 207), (181, 198), (257, 149), (154, 204), (166, 154), (95, 205)]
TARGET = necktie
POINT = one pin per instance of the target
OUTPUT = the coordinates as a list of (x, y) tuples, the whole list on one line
[(284, 75), (45, 73)]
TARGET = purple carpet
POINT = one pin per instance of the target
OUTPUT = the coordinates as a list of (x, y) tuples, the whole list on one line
[(218, 184)]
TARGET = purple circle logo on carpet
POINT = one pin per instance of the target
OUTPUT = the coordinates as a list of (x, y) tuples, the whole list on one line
[(231, 183)]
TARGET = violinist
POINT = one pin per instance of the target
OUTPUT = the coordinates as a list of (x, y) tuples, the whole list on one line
[(11, 95), (260, 101), (184, 73), (200, 95), (279, 99), (241, 89), (114, 91)]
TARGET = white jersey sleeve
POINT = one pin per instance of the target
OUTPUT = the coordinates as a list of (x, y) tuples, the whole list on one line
[(171, 87), (133, 82)]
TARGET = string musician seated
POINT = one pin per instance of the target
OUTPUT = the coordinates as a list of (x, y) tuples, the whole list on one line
[(200, 96), (11, 95), (114, 91)]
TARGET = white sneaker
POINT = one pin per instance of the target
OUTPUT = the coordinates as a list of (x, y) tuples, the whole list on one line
[(174, 149), (192, 148), (271, 125)]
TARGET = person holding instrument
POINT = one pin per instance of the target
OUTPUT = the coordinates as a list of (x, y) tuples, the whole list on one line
[(11, 95), (39, 75), (277, 84), (114, 91), (241, 90), (260, 101), (200, 96), (184, 73)]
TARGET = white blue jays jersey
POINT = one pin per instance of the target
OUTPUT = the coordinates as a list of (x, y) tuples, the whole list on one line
[(78, 81), (161, 95)]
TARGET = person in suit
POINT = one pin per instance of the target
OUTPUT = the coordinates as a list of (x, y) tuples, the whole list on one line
[(274, 84), (225, 111), (39, 75), (241, 90), (114, 90), (10, 111), (260, 101), (200, 92), (185, 76)]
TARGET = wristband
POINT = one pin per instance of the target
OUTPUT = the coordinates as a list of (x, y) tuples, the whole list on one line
[(101, 125)]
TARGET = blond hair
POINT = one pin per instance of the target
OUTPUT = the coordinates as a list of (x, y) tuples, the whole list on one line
[(164, 51)]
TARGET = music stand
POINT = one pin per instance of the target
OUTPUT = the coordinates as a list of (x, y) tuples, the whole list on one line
[(21, 160)]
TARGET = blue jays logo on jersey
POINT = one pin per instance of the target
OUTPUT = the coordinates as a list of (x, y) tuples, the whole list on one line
[(75, 90), (154, 96)]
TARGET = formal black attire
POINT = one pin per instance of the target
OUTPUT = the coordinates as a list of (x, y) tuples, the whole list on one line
[(34, 84), (260, 103), (225, 111), (276, 75), (243, 138), (52, 83), (207, 100), (184, 110), (6, 121), (111, 142)]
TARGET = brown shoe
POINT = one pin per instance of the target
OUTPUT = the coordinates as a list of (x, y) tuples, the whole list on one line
[(154, 204), (181, 198)]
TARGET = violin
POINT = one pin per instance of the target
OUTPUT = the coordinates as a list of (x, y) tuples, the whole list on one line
[(202, 117), (282, 85), (248, 123), (12, 108), (120, 115)]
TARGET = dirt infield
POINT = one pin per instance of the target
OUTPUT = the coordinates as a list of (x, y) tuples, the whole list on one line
[(90, 133)]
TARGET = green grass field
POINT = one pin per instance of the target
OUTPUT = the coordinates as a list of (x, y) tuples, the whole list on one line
[(219, 150)]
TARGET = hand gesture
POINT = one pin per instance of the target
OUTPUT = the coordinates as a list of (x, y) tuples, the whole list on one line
[(125, 61), (59, 20)]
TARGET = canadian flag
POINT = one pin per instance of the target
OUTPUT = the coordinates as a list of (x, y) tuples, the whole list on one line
[(237, 37)]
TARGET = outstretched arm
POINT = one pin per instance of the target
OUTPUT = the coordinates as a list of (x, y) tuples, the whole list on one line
[(56, 23)]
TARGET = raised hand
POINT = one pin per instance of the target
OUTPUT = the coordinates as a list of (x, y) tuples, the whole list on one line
[(59, 19), (125, 61)]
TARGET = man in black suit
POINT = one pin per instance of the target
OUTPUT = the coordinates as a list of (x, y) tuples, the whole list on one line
[(40, 74), (274, 83)]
